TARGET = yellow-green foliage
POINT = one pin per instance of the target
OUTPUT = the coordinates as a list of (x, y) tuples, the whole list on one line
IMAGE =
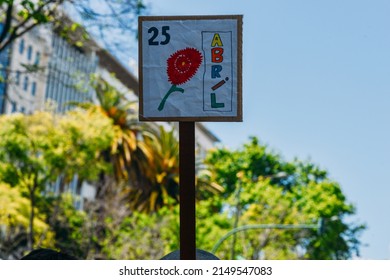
[(36, 149), (15, 211), (44, 145), (268, 191)]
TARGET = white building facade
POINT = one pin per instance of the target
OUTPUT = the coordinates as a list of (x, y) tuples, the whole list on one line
[(27, 73)]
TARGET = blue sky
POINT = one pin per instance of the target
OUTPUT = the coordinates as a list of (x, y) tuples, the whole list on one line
[(316, 85)]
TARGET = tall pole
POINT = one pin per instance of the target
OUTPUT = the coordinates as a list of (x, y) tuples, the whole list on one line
[(187, 190)]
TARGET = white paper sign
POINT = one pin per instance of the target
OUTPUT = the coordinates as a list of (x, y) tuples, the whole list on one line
[(190, 68)]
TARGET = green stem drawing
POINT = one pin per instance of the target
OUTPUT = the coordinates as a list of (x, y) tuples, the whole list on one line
[(171, 90)]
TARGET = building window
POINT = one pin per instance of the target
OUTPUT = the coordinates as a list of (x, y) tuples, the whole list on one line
[(13, 107), (17, 77), (33, 88), (25, 84), (29, 52), (23, 110), (37, 58), (21, 46)]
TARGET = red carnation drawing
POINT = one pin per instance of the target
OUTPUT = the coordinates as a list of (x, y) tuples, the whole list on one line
[(181, 67)]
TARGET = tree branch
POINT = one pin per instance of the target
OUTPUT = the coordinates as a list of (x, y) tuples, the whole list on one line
[(7, 24)]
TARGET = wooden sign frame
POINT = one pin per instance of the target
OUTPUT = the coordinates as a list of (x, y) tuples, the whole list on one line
[(235, 115)]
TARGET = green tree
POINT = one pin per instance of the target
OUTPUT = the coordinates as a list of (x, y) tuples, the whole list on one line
[(129, 158), (14, 224), (23, 141), (72, 228), (270, 190), (161, 175), (142, 236), (128, 154), (36, 149)]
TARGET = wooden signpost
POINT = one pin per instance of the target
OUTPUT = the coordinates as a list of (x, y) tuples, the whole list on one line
[(190, 70)]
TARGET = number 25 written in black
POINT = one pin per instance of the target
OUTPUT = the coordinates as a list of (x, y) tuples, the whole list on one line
[(164, 32)]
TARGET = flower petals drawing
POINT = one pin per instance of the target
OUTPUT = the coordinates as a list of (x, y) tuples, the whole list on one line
[(181, 67)]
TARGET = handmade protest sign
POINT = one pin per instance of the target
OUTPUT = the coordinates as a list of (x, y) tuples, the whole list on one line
[(190, 68)]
